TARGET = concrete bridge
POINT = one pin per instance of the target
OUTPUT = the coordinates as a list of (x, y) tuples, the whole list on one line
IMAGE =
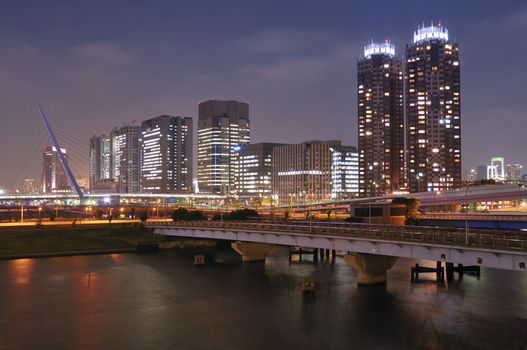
[(370, 249)]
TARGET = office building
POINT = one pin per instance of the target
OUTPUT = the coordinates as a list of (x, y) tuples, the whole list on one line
[(166, 155), (345, 172), (29, 186), (433, 111), (223, 127), (471, 175), (481, 172), (100, 159), (54, 177), (256, 170), (514, 171), (302, 173), (125, 158), (380, 121)]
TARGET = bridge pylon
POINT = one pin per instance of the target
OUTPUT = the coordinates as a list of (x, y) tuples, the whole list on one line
[(63, 161)]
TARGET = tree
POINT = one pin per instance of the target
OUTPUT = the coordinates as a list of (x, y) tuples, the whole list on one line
[(143, 216), (412, 209), (182, 214), (237, 215)]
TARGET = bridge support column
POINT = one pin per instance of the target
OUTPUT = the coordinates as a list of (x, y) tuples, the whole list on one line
[(252, 251), (371, 269)]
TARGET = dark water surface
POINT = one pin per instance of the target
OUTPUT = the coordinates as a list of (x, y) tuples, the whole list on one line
[(162, 301)]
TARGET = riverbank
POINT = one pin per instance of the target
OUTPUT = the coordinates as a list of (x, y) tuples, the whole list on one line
[(26, 242)]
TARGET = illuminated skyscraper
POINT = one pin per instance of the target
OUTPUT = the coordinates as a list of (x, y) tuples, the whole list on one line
[(345, 172), (380, 121), (53, 175), (223, 127), (100, 157), (256, 170), (29, 186), (125, 158), (514, 171), (315, 171), (433, 111), (166, 155)]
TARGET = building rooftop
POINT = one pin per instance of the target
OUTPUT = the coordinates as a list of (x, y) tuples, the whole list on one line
[(432, 32), (385, 48)]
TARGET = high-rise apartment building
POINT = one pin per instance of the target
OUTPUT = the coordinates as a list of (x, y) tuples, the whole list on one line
[(345, 172), (223, 127), (380, 121), (53, 175), (100, 159), (433, 111), (125, 158), (256, 170), (166, 155)]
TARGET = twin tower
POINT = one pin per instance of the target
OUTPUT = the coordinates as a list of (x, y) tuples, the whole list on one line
[(409, 114)]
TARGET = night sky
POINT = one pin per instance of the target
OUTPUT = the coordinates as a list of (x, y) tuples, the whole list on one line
[(94, 65)]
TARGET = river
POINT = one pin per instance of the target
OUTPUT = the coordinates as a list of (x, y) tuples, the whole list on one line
[(162, 301)]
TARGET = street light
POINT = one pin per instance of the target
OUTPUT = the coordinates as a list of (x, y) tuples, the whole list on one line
[(39, 214), (466, 212), (435, 209)]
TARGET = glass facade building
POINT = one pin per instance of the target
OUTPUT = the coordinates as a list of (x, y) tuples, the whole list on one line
[(166, 155), (53, 175), (125, 158), (256, 170), (223, 128), (345, 172), (100, 159)]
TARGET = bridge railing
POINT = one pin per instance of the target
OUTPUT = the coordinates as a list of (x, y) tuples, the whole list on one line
[(474, 216), (440, 236)]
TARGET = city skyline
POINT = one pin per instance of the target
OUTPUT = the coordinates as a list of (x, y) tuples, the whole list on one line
[(308, 61)]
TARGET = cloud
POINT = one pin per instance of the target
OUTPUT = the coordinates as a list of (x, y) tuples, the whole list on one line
[(516, 20), (101, 52), (279, 40), (316, 67)]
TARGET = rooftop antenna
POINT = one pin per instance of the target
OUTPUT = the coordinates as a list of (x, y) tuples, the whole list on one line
[(65, 165)]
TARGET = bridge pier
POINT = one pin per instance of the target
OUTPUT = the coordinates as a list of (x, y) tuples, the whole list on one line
[(371, 269), (252, 251)]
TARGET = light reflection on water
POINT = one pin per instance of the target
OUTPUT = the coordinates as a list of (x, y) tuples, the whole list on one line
[(163, 301)]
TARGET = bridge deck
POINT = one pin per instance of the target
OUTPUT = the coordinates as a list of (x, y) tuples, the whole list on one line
[(476, 239)]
